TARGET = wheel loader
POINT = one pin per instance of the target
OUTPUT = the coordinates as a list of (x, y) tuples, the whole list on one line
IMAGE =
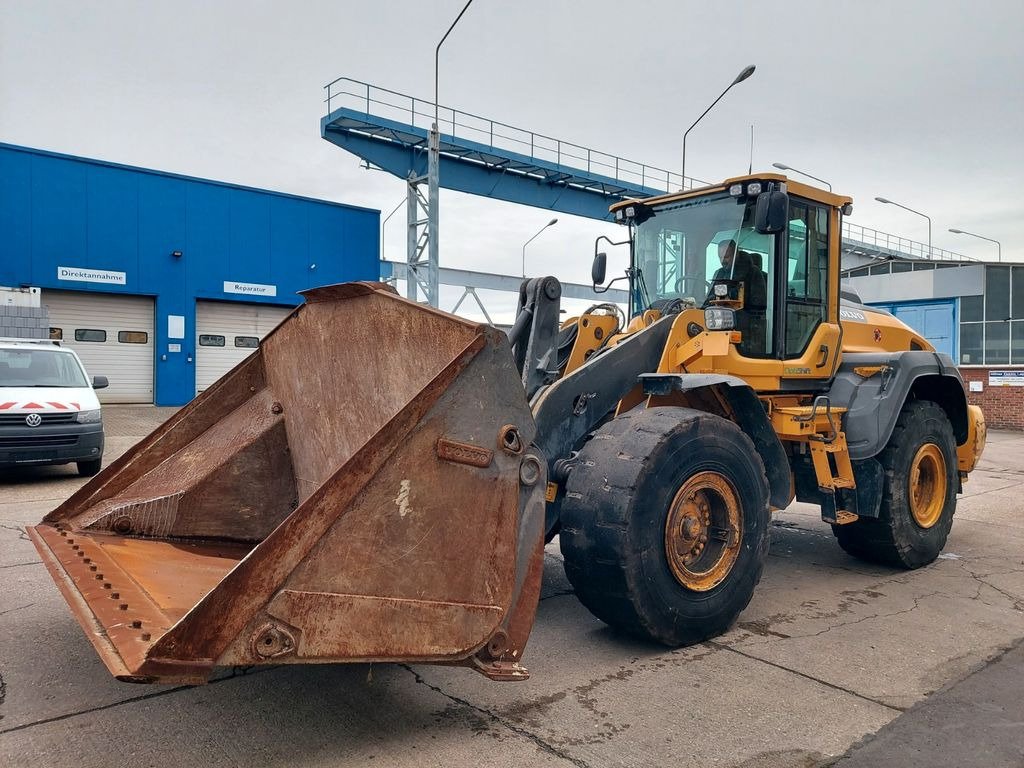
[(377, 481)]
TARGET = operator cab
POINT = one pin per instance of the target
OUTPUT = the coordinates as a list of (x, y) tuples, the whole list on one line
[(758, 254)]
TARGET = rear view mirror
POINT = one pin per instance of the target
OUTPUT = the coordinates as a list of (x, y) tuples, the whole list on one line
[(771, 212), (99, 382), (597, 271)]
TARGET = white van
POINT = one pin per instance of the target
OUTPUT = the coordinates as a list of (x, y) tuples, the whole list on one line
[(49, 413)]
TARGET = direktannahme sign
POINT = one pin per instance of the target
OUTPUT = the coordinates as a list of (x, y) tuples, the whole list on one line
[(250, 289), (82, 275)]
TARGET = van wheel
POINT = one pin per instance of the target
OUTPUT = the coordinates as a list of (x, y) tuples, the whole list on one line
[(89, 468), (919, 497), (665, 524)]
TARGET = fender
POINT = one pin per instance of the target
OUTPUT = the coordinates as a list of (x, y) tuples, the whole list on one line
[(873, 386), (746, 410)]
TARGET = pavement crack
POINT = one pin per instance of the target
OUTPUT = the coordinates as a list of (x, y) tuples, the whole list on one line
[(17, 529), (235, 673), (18, 565), (868, 618), (558, 594), (806, 676), (12, 610), (518, 730)]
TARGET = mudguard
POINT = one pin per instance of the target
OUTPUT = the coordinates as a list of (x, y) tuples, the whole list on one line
[(747, 412), (873, 386)]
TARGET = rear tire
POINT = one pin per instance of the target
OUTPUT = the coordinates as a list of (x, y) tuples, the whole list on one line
[(919, 497), (89, 468), (647, 486)]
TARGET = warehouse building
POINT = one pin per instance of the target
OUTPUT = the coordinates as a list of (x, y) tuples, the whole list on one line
[(973, 311), (163, 282)]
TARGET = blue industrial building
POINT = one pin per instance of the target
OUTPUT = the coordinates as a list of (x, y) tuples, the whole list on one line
[(190, 251)]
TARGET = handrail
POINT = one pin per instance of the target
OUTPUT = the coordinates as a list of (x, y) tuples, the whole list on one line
[(382, 102), (373, 100)]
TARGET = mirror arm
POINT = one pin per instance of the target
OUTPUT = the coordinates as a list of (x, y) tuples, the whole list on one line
[(613, 281)]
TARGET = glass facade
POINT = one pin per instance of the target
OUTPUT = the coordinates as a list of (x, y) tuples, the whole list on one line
[(992, 325)]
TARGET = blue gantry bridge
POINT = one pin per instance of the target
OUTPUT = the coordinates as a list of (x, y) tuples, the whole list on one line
[(480, 156)]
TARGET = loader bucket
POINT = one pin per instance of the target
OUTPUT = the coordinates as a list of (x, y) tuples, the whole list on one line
[(362, 488)]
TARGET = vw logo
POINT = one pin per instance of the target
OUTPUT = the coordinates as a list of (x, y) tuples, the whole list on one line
[(33, 419)]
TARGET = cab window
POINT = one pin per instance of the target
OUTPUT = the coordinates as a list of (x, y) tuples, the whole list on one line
[(806, 274)]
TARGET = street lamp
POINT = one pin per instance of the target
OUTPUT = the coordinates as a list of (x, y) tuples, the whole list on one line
[(747, 72), (437, 55), (981, 237), (900, 205), (784, 167), (549, 224)]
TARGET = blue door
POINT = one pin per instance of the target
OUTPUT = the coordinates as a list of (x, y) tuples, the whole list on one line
[(933, 321)]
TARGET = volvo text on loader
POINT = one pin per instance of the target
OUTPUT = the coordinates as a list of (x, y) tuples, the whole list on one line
[(377, 481)]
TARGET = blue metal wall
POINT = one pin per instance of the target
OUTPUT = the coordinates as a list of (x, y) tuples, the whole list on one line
[(57, 210)]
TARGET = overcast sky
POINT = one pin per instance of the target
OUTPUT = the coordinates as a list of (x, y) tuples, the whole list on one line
[(921, 102)]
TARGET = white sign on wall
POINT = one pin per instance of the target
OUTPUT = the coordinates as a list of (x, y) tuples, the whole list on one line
[(175, 326), (250, 289), (82, 275), (1006, 378)]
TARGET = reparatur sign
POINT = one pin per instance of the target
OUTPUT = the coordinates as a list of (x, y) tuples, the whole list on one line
[(250, 289)]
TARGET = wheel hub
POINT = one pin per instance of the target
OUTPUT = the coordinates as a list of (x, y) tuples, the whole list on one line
[(703, 531), (926, 485)]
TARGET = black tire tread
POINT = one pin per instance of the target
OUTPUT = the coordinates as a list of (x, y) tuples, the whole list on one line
[(876, 540), (598, 552)]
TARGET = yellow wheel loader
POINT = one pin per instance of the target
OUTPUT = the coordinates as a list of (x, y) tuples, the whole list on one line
[(377, 481)]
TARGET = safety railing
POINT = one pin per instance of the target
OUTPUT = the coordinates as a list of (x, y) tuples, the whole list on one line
[(380, 102), (896, 245)]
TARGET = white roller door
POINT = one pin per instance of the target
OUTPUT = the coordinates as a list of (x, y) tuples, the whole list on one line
[(227, 332), (114, 337)]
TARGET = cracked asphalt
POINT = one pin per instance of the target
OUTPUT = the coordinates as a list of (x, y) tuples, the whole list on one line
[(834, 662)]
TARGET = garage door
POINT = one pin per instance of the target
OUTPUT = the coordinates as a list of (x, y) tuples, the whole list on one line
[(114, 337), (227, 332)]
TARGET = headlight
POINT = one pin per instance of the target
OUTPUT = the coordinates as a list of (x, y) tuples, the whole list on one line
[(736, 190), (754, 188), (721, 290), (88, 417), (719, 319)]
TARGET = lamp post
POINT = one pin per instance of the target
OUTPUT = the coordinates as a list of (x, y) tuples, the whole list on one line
[(905, 208), (549, 224), (999, 245), (784, 167), (743, 75), (432, 282)]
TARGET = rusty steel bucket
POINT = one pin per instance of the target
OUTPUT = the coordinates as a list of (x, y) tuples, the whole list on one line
[(362, 488)]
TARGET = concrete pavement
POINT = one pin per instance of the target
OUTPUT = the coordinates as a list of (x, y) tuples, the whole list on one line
[(829, 653)]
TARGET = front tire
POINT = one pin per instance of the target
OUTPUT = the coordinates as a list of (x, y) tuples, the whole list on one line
[(919, 496), (665, 524), (89, 468)]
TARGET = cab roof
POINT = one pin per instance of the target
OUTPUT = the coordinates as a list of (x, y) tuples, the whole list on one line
[(796, 187)]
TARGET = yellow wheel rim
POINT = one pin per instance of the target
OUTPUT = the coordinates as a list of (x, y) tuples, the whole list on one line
[(927, 485), (703, 531)]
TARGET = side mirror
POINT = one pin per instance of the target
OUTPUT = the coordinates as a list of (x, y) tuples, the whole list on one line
[(99, 382), (771, 212), (597, 271)]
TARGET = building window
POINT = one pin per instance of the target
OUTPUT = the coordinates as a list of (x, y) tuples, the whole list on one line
[(880, 269), (902, 266), (90, 334), (922, 267), (997, 343), (211, 340), (56, 334), (971, 342), (972, 308), (997, 293), (248, 342), (132, 337), (859, 272)]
